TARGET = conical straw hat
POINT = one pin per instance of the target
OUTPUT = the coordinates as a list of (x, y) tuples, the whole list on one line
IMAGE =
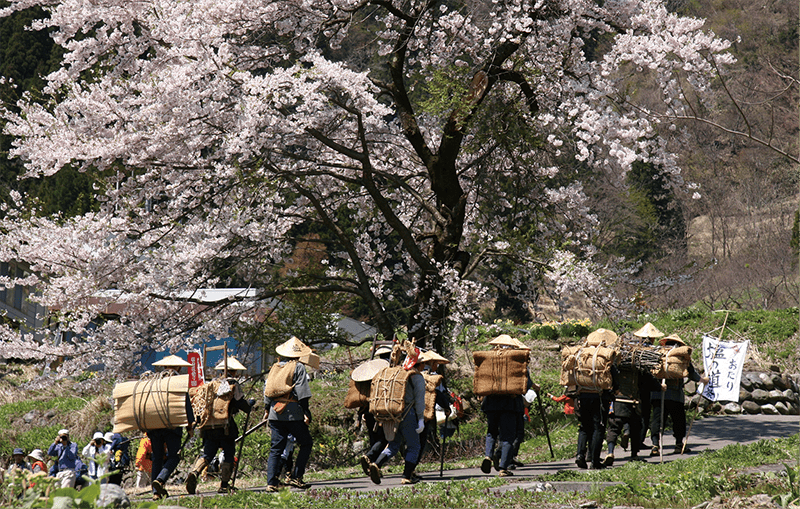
[(671, 339), (172, 361), (506, 340), (601, 337), (233, 365), (431, 356), (293, 349), (367, 370), (648, 331)]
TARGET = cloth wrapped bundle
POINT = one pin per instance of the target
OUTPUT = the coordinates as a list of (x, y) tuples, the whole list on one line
[(155, 403), (587, 367), (432, 381), (357, 394), (387, 392), (675, 362), (502, 372)]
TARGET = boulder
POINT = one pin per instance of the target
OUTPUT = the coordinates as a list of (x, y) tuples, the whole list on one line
[(769, 409), (732, 408), (112, 496), (775, 395), (751, 407), (759, 396), (747, 382), (766, 381), (782, 408)]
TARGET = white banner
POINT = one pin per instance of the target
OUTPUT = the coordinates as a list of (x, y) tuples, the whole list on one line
[(723, 361)]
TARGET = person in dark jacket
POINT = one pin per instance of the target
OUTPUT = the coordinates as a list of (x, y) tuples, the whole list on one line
[(670, 394), (222, 435), (290, 415), (503, 413), (408, 429), (592, 408)]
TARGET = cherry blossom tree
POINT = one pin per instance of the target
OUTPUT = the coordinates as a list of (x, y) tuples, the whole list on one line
[(417, 145)]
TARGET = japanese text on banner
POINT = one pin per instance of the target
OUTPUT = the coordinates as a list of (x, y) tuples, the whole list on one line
[(723, 363)]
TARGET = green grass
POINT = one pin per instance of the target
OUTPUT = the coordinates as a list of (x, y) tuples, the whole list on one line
[(41, 434), (677, 484)]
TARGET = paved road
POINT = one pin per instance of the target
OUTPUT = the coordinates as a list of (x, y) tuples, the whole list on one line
[(710, 433)]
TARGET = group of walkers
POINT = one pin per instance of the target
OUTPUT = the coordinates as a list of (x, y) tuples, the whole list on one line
[(621, 415), (636, 404)]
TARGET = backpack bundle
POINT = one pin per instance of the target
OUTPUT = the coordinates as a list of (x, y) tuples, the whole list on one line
[(280, 380), (432, 381), (120, 456), (357, 394), (502, 372), (210, 404), (152, 403), (387, 393), (587, 367), (675, 362)]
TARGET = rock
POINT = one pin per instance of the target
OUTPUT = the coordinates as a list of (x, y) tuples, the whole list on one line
[(782, 408), (747, 382), (775, 395), (29, 417), (769, 409), (783, 382), (759, 396), (751, 407), (111, 495), (794, 409), (63, 503), (775, 368), (49, 414), (358, 445), (732, 408), (766, 381), (789, 395)]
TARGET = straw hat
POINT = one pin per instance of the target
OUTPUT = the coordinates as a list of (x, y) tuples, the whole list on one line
[(648, 331), (293, 349), (367, 370), (431, 356), (383, 350), (233, 365), (172, 361), (37, 455), (506, 340), (672, 339), (601, 337), (311, 360)]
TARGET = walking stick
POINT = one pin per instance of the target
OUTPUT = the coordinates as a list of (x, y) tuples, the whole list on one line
[(251, 430), (241, 446), (444, 438), (544, 420), (661, 427)]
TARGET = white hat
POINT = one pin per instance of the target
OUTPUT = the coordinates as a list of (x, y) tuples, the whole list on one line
[(233, 365), (293, 348), (367, 370), (98, 436), (648, 331), (108, 437), (506, 340), (172, 361), (63, 431), (36, 454)]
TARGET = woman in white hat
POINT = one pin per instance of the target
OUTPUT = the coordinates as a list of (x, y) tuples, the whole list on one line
[(289, 414), (222, 436), (97, 446)]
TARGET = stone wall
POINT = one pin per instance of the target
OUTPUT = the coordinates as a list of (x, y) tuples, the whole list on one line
[(763, 393)]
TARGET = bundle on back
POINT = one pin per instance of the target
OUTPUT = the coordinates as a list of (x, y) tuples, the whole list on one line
[(502, 371)]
